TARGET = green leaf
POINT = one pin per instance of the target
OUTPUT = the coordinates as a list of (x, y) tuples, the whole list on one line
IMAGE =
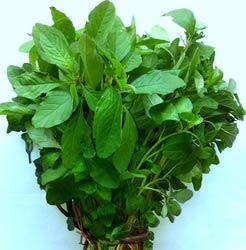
[(32, 85), (76, 133), (92, 97), (178, 147), (119, 41), (104, 193), (184, 18), (107, 123), (53, 47), (123, 154), (164, 112), (164, 211), (103, 173), (63, 23), (228, 133), (183, 104), (157, 82), (101, 21), (132, 61), (29, 145), (55, 109), (158, 32), (199, 83), (58, 192), (174, 208), (150, 101), (183, 195), (51, 175), (26, 47), (204, 102), (152, 219), (42, 138), (191, 119), (93, 66), (12, 108), (88, 186)]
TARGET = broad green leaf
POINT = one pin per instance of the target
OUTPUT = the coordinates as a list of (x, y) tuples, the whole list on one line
[(42, 138), (63, 23), (164, 112), (183, 195), (76, 133), (103, 173), (132, 61), (107, 123), (13, 72), (119, 41), (56, 108), (51, 175), (12, 108), (26, 47), (49, 158), (104, 193), (157, 82), (204, 102), (183, 104), (93, 66), (178, 147), (101, 21), (92, 97), (31, 85), (184, 18), (53, 47), (123, 154), (80, 171)]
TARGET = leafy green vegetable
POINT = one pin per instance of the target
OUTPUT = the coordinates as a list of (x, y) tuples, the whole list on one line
[(124, 123)]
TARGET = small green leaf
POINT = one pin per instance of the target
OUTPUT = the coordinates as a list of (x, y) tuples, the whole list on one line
[(152, 220), (159, 32), (184, 18), (174, 208), (191, 119), (53, 47), (164, 211), (150, 101), (107, 123), (183, 195), (55, 109), (157, 82)]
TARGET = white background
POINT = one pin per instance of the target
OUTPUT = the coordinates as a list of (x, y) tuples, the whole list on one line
[(216, 216)]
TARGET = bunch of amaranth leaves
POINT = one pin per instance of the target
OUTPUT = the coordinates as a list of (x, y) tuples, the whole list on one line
[(123, 122)]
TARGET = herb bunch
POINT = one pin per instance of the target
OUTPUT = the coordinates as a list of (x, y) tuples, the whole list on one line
[(124, 123)]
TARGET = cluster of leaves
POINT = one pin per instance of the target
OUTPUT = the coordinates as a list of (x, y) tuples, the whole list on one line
[(123, 122)]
